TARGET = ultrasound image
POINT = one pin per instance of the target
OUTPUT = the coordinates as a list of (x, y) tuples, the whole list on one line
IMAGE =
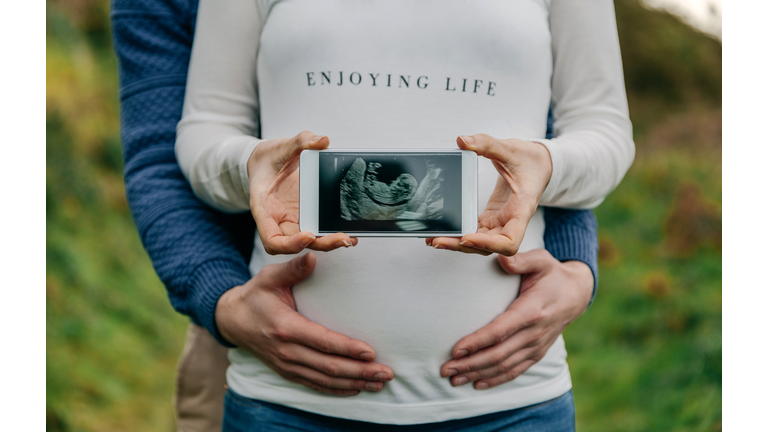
[(364, 196)]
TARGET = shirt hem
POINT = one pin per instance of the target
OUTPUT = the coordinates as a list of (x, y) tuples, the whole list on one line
[(408, 414)]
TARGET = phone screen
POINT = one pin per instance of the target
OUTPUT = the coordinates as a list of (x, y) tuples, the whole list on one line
[(389, 192)]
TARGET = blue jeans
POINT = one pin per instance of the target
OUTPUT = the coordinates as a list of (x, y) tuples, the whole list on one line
[(249, 415)]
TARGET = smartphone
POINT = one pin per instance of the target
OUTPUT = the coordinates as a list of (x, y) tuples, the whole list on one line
[(388, 193)]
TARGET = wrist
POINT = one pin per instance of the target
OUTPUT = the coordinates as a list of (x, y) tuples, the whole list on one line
[(542, 160), (226, 313), (583, 281)]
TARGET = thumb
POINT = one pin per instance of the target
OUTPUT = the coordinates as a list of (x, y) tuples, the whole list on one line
[(303, 141), (486, 146), (290, 272), (533, 261)]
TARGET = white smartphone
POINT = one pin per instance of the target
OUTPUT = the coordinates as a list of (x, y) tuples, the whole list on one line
[(388, 193)]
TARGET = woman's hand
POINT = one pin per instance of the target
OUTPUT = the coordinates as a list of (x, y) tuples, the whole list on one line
[(525, 169), (274, 186), (552, 295), (260, 317)]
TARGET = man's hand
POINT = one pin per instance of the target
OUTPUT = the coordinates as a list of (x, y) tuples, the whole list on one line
[(552, 295), (274, 186), (525, 169), (260, 317)]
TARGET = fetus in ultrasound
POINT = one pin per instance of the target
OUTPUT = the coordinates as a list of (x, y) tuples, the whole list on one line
[(365, 197)]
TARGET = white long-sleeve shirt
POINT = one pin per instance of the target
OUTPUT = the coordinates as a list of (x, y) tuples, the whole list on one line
[(393, 74)]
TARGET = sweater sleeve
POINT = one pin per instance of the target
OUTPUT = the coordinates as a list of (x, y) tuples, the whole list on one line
[(571, 235), (197, 252), (593, 148)]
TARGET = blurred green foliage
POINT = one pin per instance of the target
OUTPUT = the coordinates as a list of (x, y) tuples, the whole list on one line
[(646, 356)]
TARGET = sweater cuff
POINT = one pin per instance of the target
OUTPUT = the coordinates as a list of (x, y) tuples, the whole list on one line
[(574, 242), (208, 283), (557, 170)]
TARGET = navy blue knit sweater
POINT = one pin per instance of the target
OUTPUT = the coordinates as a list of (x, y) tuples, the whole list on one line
[(199, 253)]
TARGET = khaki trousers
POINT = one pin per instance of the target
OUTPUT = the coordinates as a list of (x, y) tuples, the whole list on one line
[(200, 383)]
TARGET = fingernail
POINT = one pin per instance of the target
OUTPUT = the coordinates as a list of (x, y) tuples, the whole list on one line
[(346, 243), (461, 381), (438, 246), (372, 387), (451, 372), (382, 376), (304, 259), (468, 140), (429, 244), (460, 353), (366, 356), (316, 138), (467, 243), (343, 243), (307, 240), (482, 386)]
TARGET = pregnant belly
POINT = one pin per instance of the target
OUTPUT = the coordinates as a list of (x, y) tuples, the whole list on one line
[(410, 302)]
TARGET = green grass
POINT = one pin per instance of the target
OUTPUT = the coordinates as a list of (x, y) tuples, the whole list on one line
[(645, 357)]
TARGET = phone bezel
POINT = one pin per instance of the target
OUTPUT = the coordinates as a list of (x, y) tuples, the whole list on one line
[(309, 191)]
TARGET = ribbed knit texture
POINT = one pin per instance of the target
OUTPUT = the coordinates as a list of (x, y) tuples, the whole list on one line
[(571, 235), (197, 252)]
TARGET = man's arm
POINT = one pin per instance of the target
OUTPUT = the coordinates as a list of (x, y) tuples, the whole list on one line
[(571, 235), (197, 252)]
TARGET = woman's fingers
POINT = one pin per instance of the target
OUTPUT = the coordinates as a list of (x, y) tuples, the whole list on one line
[(281, 244), (451, 243), (486, 146), (504, 240), (287, 239), (333, 241), (281, 151)]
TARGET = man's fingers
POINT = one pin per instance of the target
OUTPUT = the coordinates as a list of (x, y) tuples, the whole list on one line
[(507, 376), (486, 146), (526, 262), (490, 356), (288, 273), (317, 388), (336, 366), (313, 335), (324, 381), (511, 360), (500, 329)]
